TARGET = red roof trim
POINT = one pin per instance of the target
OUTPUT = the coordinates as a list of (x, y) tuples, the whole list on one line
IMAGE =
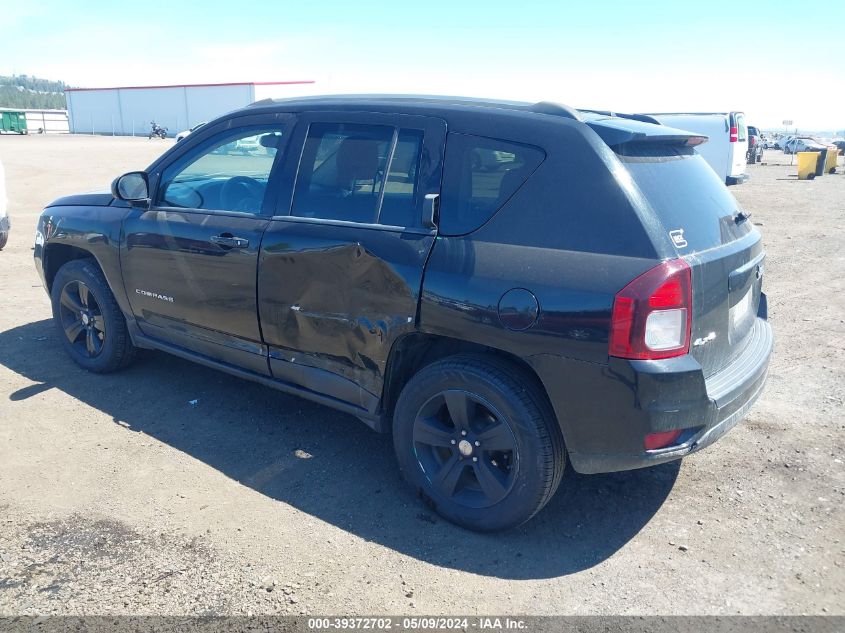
[(234, 83)]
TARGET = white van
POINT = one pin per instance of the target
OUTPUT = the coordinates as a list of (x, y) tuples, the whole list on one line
[(728, 139)]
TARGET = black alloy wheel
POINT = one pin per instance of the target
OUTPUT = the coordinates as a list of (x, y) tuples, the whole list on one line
[(82, 319), (476, 437), (88, 320), (466, 448)]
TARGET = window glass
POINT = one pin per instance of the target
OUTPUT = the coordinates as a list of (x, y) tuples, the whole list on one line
[(229, 175), (481, 175), (685, 194), (397, 208), (342, 171), (344, 174)]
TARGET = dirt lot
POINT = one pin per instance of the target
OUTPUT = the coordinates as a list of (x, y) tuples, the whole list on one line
[(119, 496)]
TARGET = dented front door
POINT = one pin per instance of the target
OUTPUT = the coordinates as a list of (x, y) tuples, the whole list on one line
[(334, 295)]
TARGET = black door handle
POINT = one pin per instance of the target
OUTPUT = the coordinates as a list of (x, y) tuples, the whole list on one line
[(230, 241)]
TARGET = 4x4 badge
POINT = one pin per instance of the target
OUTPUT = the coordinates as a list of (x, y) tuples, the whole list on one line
[(678, 238)]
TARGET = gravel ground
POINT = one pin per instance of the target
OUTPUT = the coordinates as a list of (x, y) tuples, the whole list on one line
[(118, 496)]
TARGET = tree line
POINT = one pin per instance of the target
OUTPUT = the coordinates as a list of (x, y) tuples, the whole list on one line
[(23, 91)]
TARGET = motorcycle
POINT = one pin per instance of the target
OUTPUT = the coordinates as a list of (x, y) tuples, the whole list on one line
[(157, 130)]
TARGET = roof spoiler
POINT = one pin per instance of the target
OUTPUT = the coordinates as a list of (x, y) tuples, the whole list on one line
[(620, 131)]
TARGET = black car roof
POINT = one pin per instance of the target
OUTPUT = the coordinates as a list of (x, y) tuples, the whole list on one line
[(613, 127), (430, 104)]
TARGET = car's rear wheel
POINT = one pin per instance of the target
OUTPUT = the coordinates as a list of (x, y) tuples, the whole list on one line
[(4, 239), (88, 320), (478, 441)]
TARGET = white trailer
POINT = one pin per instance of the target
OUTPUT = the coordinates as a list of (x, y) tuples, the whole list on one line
[(129, 110)]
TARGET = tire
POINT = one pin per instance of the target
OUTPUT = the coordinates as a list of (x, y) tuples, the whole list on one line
[(98, 341), (4, 239), (444, 457)]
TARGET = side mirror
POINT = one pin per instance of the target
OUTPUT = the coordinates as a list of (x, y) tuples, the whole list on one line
[(431, 210), (132, 187)]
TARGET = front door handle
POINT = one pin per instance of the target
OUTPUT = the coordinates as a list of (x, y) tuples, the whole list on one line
[(230, 241)]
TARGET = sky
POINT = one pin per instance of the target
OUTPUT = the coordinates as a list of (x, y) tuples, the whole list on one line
[(774, 60)]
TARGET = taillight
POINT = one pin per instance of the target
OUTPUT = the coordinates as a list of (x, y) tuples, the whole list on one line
[(734, 134), (651, 315)]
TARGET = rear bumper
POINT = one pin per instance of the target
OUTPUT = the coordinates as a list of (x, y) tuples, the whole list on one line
[(736, 180), (631, 399)]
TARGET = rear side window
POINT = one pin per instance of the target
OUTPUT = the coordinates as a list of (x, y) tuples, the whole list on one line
[(359, 173), (692, 203), (481, 175)]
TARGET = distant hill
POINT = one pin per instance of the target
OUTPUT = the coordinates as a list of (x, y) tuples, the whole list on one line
[(23, 91)]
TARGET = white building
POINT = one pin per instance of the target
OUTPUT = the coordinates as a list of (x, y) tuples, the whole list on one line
[(40, 120), (129, 110)]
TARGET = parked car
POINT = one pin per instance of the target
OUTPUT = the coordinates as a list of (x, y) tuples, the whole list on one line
[(182, 135), (755, 146), (726, 150), (802, 144), (781, 141), (585, 289), (5, 225), (839, 145)]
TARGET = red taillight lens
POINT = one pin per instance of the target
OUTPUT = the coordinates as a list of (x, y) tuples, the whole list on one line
[(653, 441), (651, 315), (734, 134)]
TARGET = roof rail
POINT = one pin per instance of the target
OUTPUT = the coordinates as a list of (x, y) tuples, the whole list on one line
[(645, 118), (263, 102), (556, 109)]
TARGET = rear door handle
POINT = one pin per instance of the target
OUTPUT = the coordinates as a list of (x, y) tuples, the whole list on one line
[(230, 241)]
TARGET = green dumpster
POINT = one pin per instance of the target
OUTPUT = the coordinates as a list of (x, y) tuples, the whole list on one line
[(14, 122)]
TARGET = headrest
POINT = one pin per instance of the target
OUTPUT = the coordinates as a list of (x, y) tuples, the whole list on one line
[(357, 159)]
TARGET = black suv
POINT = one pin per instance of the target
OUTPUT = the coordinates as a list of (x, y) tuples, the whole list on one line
[(755, 146), (501, 285)]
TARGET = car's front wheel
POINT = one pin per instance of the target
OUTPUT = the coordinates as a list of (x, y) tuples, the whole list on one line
[(478, 441), (89, 322)]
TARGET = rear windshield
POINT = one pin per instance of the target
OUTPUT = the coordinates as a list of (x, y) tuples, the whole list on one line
[(694, 206)]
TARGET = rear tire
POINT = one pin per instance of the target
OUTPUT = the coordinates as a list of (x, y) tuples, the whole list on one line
[(88, 320), (4, 239), (478, 441)]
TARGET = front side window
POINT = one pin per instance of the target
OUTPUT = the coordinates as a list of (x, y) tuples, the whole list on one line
[(230, 174), (358, 173), (481, 175)]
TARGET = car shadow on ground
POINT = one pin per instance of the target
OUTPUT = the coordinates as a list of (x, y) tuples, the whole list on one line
[(332, 466)]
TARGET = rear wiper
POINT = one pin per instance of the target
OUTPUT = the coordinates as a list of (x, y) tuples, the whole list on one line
[(742, 216)]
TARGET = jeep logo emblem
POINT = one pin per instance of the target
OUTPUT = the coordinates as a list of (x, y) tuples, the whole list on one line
[(678, 238)]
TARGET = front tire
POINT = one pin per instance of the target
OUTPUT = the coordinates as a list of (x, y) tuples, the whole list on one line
[(478, 441), (88, 320)]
